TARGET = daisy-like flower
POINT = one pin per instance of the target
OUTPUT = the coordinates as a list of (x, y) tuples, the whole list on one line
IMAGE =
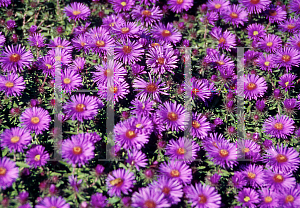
[(113, 92), (71, 80), (254, 87), (179, 5), (200, 126), (2, 39), (256, 31), (255, 6), (137, 158), (37, 156), (111, 21), (8, 172), (239, 180), (248, 197), (53, 201), (291, 25), (202, 196), (284, 159), (200, 89), (126, 30), (78, 150), (286, 81), (276, 14), (119, 181), (210, 18), (58, 42), (143, 124), (77, 11), (78, 64), (98, 32), (295, 6), (81, 107), (35, 119), (235, 15), (81, 29), (98, 200), (147, 16), (279, 180), (177, 170), (218, 5), (129, 51), (280, 127), (287, 57), (37, 40), (128, 136), (226, 39), (171, 189), (101, 44), (289, 197), (12, 85), (270, 43), (220, 61), (47, 65), (16, 139), (151, 89), (148, 197), (161, 59), (269, 198), (14, 58), (267, 62), (223, 153), (182, 149), (166, 33), (60, 55), (80, 43), (174, 116), (294, 42), (143, 108), (122, 5), (254, 174), (248, 149)]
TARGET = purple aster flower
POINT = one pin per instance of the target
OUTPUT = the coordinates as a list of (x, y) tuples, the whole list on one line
[(280, 158), (276, 14), (118, 181), (202, 196), (248, 149), (128, 51), (256, 31), (278, 180), (32, 29), (171, 189), (220, 61), (122, 5), (143, 124), (291, 25), (182, 149), (61, 55), (290, 104), (178, 6), (111, 21), (81, 30), (78, 64), (267, 62), (47, 65), (210, 18), (254, 174), (16, 139), (12, 85), (77, 150), (81, 107), (161, 59), (98, 200), (248, 197), (226, 39), (147, 16), (100, 44), (270, 43), (200, 89), (255, 6), (74, 182), (148, 197), (254, 86), (286, 81), (280, 127), (295, 6), (177, 170), (218, 5), (113, 92), (166, 33), (35, 119), (10, 24), (80, 43), (37, 40), (64, 44), (37, 156), (151, 89), (15, 58), (137, 158), (77, 11), (174, 116), (71, 80), (8, 172), (260, 105), (223, 153), (293, 42), (142, 107), (53, 201), (289, 197), (2, 39), (126, 30), (268, 143), (200, 126), (269, 198), (239, 180), (235, 15)]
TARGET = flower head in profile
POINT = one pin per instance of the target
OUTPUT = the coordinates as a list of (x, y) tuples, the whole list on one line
[(77, 11), (37, 156)]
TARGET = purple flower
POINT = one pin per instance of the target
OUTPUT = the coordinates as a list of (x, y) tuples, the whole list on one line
[(98, 200), (37, 156), (286, 81), (140, 107), (279, 180), (137, 158), (113, 92), (200, 89), (166, 33), (248, 149), (78, 64), (81, 43), (2, 39), (71, 80), (179, 5), (12, 85), (53, 201), (295, 6), (254, 174), (63, 44), (291, 25), (15, 58), (254, 86), (77, 11), (269, 198), (37, 40), (239, 180), (289, 197), (5, 3), (122, 5), (74, 182), (60, 55), (111, 21), (256, 31), (8, 172), (280, 127), (270, 43), (225, 39), (16, 139), (260, 105), (147, 16), (47, 64), (118, 181), (276, 14), (218, 5), (200, 126), (235, 15), (100, 44), (248, 197), (177, 170), (10, 24), (126, 30), (35, 119), (129, 51), (294, 42), (255, 6), (267, 62)]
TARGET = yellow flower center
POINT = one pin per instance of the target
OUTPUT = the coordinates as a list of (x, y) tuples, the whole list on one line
[(60, 46), (2, 171), (269, 44), (130, 134), (15, 139), (113, 89), (123, 3), (100, 43), (161, 61), (234, 15), (180, 151), (278, 178), (124, 30), (218, 6), (112, 24), (289, 198), (82, 44), (172, 116), (202, 199), (77, 150), (251, 86), (76, 12), (35, 120), (251, 175), (14, 57), (37, 157), (166, 33), (155, 44), (108, 73), (286, 84), (9, 84), (290, 27), (278, 126), (255, 33), (139, 125), (223, 153), (222, 40), (220, 63), (281, 158), (286, 58), (146, 13), (48, 65), (57, 58), (179, 1), (247, 198), (116, 182), (175, 173), (67, 81), (268, 199), (195, 124), (127, 49), (267, 63), (80, 107), (245, 150)]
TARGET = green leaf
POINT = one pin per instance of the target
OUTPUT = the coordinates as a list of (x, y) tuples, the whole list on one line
[(22, 165)]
